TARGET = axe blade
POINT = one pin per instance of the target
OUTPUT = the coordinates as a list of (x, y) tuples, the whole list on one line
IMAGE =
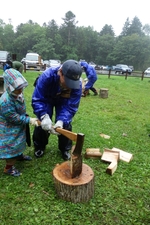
[(76, 157)]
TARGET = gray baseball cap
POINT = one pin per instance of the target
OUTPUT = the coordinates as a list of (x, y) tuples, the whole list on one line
[(72, 71)]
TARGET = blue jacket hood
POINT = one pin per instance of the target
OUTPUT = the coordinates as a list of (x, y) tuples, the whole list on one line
[(84, 64)]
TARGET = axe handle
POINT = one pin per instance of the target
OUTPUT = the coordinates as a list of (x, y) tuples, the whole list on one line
[(72, 136)]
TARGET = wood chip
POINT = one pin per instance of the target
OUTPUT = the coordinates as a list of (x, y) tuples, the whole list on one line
[(105, 136)]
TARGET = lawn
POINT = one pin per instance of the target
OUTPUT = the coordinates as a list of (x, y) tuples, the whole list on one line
[(124, 197)]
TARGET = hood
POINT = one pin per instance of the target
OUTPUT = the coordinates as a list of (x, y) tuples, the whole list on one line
[(13, 79), (84, 64)]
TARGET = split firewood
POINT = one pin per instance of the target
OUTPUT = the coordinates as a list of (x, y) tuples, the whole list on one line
[(93, 153), (124, 156), (112, 168), (112, 157)]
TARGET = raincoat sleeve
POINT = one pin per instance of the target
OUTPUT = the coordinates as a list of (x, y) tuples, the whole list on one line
[(46, 87), (8, 110)]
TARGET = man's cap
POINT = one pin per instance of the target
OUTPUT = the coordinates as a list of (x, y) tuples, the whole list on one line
[(72, 71)]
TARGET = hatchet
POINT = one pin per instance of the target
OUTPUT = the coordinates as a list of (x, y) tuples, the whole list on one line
[(76, 156)]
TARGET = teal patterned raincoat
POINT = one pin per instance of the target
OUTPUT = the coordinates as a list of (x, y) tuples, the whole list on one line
[(12, 116)]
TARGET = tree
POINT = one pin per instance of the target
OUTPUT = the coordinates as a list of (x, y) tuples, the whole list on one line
[(9, 38), (105, 47), (2, 24), (125, 28), (52, 33), (146, 29), (67, 32), (133, 27), (107, 30)]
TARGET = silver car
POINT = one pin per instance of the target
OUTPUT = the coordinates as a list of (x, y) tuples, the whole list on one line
[(54, 63)]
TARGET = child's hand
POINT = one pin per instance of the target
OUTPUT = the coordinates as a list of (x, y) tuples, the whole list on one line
[(34, 121)]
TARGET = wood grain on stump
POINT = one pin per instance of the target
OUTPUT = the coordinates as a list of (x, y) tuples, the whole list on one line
[(78, 189)]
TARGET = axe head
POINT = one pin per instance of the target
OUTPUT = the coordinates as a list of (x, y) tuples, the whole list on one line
[(76, 157)]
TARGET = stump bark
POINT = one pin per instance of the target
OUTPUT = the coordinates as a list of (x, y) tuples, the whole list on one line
[(78, 189), (103, 93)]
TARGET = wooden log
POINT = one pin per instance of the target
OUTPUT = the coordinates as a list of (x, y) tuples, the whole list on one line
[(112, 168), (78, 189), (124, 156), (93, 153), (103, 93), (112, 157)]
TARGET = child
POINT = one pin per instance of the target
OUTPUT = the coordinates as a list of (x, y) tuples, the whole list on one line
[(13, 121)]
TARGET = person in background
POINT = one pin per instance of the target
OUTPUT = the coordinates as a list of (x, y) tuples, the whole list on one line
[(13, 121), (15, 65), (91, 76), (56, 89)]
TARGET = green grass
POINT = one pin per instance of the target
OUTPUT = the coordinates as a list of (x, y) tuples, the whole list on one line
[(124, 197)]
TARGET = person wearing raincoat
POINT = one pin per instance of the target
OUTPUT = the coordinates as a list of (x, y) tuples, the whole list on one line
[(13, 120), (92, 78), (59, 89)]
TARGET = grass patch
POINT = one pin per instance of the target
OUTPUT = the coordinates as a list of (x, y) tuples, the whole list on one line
[(121, 199)]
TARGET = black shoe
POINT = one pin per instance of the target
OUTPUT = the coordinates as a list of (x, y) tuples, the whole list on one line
[(39, 153), (95, 93), (66, 155)]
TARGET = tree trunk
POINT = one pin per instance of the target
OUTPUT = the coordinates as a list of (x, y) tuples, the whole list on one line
[(78, 189)]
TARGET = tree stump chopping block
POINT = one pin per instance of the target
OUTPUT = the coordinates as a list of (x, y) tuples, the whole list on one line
[(78, 189), (103, 93)]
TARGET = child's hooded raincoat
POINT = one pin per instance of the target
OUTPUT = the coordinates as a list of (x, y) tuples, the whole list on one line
[(12, 116)]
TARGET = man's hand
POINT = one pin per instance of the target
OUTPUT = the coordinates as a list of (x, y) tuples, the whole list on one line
[(46, 123), (59, 124)]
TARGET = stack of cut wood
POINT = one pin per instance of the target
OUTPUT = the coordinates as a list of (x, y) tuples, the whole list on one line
[(111, 156)]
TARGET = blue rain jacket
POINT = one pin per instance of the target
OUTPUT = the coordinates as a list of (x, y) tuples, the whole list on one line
[(48, 96), (90, 73)]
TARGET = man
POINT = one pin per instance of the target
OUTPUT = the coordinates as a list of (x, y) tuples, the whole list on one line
[(91, 76), (15, 65), (59, 89)]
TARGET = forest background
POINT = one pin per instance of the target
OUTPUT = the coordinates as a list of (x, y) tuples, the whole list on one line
[(69, 41)]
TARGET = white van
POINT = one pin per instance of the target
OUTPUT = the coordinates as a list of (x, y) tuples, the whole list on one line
[(4, 56), (33, 61)]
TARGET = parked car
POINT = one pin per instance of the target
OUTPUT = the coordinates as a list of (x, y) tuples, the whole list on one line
[(4, 56), (147, 71), (131, 67), (121, 68), (23, 60), (54, 63), (47, 63), (33, 61), (98, 67), (92, 64)]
